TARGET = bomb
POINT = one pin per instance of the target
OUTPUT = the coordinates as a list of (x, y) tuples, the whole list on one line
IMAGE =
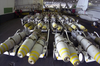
[(44, 27), (40, 24), (96, 39), (28, 44), (72, 26), (37, 49), (88, 46), (11, 42), (59, 28), (69, 28), (81, 27), (54, 25), (62, 48), (65, 17), (74, 59), (28, 24)]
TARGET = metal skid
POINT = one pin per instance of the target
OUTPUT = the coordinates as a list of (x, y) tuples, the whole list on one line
[(56, 55), (44, 54), (84, 56)]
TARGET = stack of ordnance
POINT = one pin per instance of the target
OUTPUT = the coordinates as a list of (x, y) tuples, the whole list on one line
[(55, 26), (72, 42), (11, 42), (64, 51), (81, 34), (33, 45)]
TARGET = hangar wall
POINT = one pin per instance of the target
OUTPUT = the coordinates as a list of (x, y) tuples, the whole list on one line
[(6, 10), (9, 4), (27, 5)]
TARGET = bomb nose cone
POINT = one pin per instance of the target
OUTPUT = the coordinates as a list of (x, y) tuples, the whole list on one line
[(77, 63), (66, 59), (20, 55), (31, 61)]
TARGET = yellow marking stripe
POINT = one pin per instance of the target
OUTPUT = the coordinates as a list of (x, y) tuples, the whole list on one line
[(5, 45), (23, 50), (32, 59), (34, 52), (96, 55), (21, 53), (26, 25), (43, 55), (54, 25), (64, 52), (25, 47), (40, 24), (57, 57), (98, 58), (30, 27), (63, 49), (75, 61), (1, 50), (44, 27), (73, 57), (73, 54), (34, 56), (73, 19), (74, 27), (82, 27), (86, 59)]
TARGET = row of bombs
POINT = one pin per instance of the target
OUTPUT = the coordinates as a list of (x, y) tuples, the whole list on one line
[(33, 46), (64, 50), (51, 13), (72, 26), (75, 26), (12, 41), (56, 25), (32, 22), (67, 52), (87, 46), (68, 21), (42, 24), (44, 16)]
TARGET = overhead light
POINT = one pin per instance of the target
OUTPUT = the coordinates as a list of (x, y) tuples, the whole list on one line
[(95, 1), (91, 1)]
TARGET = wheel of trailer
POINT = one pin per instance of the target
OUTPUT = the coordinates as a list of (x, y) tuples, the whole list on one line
[(94, 23), (54, 56), (81, 57)]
